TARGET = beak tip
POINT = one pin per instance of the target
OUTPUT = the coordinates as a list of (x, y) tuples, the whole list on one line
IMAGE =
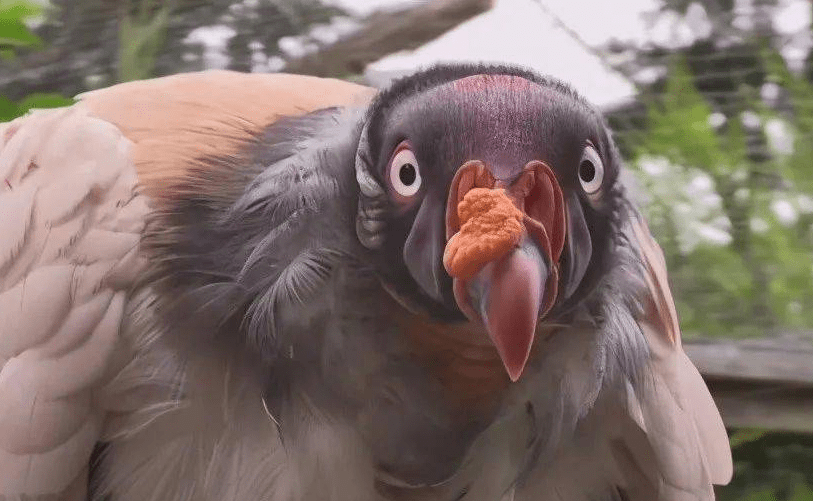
[(515, 368), (514, 376)]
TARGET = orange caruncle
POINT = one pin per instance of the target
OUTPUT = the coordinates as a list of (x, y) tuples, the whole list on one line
[(491, 227)]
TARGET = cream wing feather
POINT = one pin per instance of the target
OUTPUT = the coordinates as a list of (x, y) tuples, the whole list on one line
[(71, 222)]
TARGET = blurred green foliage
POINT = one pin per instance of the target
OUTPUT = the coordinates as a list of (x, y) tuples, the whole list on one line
[(141, 36), (10, 110), (735, 221), (72, 46), (770, 467), (14, 34), (13, 31), (721, 145)]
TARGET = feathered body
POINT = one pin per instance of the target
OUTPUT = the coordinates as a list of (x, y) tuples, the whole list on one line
[(262, 350)]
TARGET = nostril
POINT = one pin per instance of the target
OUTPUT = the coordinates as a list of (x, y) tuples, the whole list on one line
[(470, 175), (483, 177), (520, 189)]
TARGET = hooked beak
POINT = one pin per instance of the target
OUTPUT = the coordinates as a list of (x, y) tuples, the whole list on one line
[(507, 297), (505, 272)]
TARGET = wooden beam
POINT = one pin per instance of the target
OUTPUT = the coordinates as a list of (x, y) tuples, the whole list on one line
[(387, 32), (760, 383), (775, 407), (772, 360)]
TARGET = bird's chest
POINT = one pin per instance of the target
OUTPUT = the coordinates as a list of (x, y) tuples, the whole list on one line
[(459, 357), (438, 388)]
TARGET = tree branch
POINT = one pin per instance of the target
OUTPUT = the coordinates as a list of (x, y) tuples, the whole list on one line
[(384, 33)]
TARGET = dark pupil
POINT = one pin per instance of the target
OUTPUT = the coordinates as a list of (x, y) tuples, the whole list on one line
[(587, 171), (407, 174)]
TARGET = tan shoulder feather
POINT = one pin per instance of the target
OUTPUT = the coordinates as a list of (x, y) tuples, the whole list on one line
[(175, 120)]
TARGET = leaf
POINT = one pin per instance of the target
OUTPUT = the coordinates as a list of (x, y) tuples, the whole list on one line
[(13, 33), (745, 436), (40, 101), (8, 110), (17, 10)]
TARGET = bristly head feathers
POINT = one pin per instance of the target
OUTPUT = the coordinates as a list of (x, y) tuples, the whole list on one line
[(241, 238)]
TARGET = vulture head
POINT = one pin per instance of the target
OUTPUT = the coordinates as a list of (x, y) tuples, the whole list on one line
[(489, 196)]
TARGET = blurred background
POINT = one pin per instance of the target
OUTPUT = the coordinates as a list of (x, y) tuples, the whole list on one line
[(711, 102)]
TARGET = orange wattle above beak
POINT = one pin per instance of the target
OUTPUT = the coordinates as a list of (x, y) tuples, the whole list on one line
[(503, 247)]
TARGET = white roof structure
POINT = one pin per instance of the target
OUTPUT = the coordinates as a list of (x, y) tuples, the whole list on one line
[(554, 37), (524, 33)]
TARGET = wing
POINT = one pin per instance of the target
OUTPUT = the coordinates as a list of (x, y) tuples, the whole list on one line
[(70, 227), (674, 440), (77, 186)]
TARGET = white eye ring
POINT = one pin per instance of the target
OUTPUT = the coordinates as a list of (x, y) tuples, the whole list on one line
[(591, 170), (405, 175)]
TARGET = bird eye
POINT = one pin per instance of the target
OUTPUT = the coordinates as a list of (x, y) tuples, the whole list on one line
[(591, 170), (405, 176)]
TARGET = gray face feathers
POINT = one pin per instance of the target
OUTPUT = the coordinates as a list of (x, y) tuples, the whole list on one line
[(447, 273)]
